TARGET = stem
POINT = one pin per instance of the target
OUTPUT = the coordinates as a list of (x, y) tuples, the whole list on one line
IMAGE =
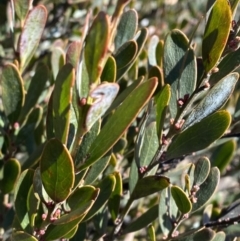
[(118, 226)]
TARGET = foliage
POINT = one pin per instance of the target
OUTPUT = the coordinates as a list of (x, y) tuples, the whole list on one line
[(107, 128)]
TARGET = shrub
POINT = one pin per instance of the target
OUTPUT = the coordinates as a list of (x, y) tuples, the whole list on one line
[(107, 129)]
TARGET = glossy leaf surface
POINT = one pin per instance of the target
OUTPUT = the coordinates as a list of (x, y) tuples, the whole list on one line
[(140, 38), (204, 234), (114, 200), (181, 199), (57, 60), (162, 101), (11, 172), (54, 232), (106, 187), (57, 170), (143, 221), (77, 214), (126, 54), (179, 67), (200, 135), (110, 70), (21, 192), (127, 27), (96, 169), (216, 33), (73, 53), (220, 236), (97, 46), (223, 155), (62, 96), (149, 185), (120, 121), (202, 169), (207, 189), (213, 101), (227, 65), (167, 210), (22, 236)]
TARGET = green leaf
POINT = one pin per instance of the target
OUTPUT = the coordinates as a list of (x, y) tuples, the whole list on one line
[(179, 68), (148, 145), (21, 8), (234, 5), (151, 233), (31, 34), (110, 70), (223, 155), (114, 200), (159, 53), (126, 54), (126, 28), (162, 101), (227, 65), (62, 97), (82, 196), (168, 211), (11, 173), (96, 169), (154, 40), (204, 234), (88, 139), (200, 135), (73, 53), (33, 203), (143, 221), (123, 95), (106, 187), (140, 38), (232, 211), (120, 121), (54, 232), (220, 236), (77, 214), (81, 233), (39, 190), (149, 185), (207, 189), (216, 34), (103, 96), (26, 133), (22, 236), (71, 233), (213, 101), (181, 199), (156, 71), (83, 81), (36, 87), (20, 197), (12, 92), (97, 46), (57, 170), (57, 60), (201, 172)]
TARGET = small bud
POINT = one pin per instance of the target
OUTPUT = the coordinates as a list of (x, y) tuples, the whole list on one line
[(142, 169), (164, 140), (83, 102), (41, 232), (44, 216)]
